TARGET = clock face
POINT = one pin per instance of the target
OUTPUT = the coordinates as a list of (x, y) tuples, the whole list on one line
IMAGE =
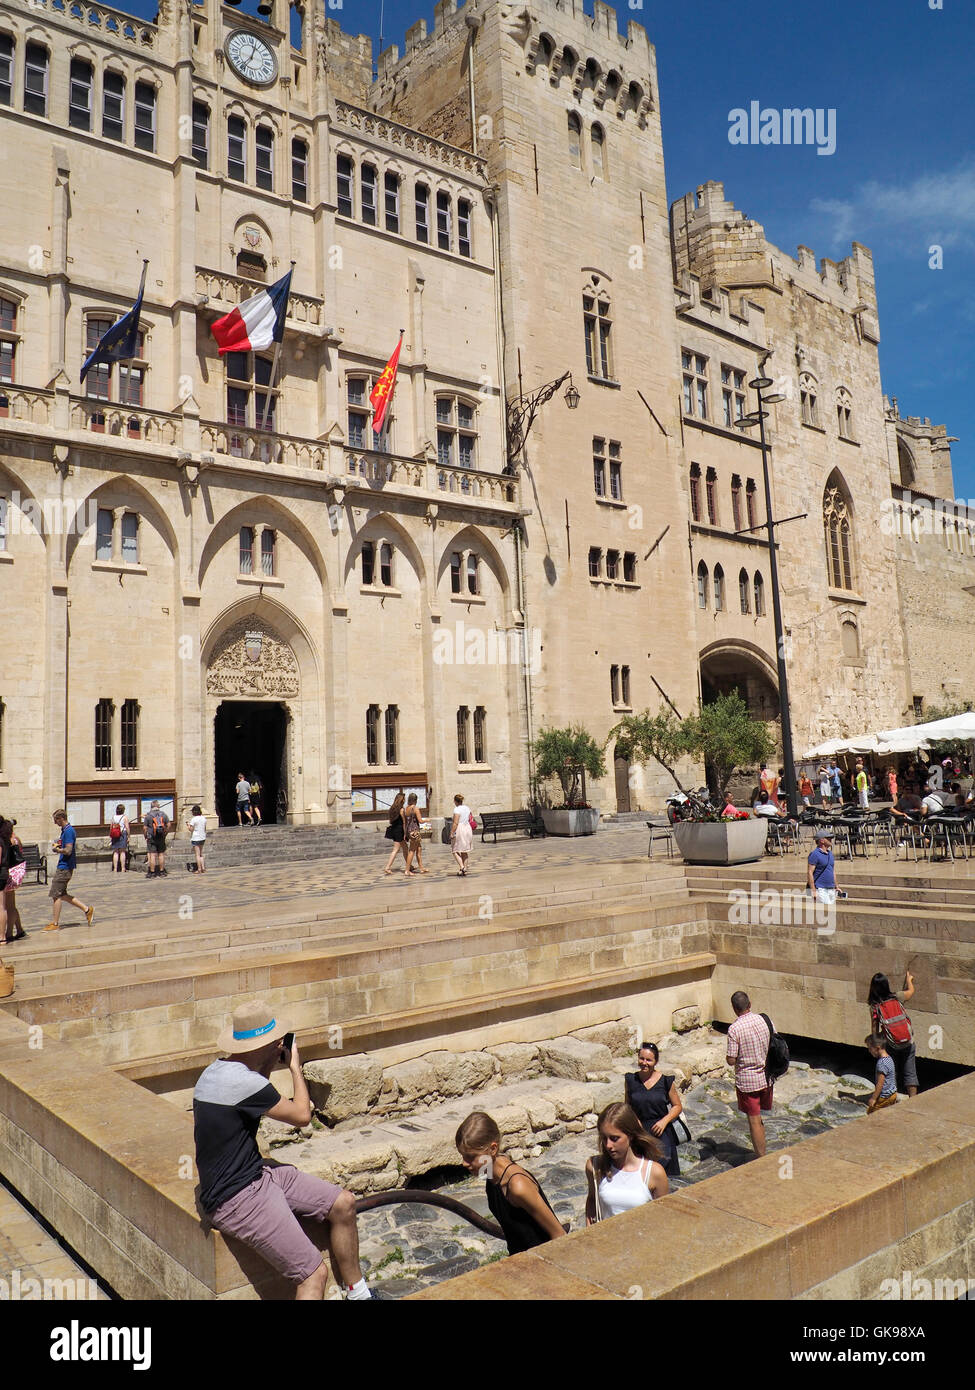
[(251, 58)]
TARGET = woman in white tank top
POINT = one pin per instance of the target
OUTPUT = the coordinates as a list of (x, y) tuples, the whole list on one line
[(626, 1173)]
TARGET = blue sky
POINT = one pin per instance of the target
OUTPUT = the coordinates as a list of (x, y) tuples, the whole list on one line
[(901, 180)]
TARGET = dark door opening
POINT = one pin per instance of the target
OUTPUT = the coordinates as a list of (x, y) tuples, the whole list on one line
[(622, 770), (249, 737)]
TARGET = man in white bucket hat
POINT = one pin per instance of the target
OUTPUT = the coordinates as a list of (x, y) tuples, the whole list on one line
[(246, 1197)]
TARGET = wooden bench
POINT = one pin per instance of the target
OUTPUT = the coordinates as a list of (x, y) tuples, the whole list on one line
[(35, 861), (494, 821)]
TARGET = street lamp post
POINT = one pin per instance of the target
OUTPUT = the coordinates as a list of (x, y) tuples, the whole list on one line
[(758, 417)]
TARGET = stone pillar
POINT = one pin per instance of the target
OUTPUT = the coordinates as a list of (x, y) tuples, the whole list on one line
[(418, 354), (58, 282)]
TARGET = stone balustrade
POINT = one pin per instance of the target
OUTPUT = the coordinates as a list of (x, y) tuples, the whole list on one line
[(262, 446), (102, 19), (224, 289), (18, 403), (126, 421)]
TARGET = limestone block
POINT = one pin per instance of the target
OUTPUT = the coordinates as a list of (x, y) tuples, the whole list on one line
[(419, 1148), (849, 1084), (341, 1087), (457, 1073), (603, 1093), (415, 1080), (571, 1058), (571, 1102), (541, 1113), (516, 1060), (698, 1053), (620, 1037), (685, 1019), (512, 1120)]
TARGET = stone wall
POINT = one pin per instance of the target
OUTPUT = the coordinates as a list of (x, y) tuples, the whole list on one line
[(863, 1204)]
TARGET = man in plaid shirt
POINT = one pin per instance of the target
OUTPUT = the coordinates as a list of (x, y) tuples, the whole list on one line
[(748, 1040)]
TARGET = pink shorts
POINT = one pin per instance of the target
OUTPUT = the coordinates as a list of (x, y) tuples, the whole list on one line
[(751, 1102), (263, 1214)]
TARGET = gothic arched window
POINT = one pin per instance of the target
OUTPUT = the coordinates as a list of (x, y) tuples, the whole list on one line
[(838, 532)]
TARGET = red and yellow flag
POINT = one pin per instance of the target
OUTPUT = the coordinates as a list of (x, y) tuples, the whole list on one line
[(382, 393)]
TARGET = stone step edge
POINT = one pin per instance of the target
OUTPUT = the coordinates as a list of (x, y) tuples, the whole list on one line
[(460, 935), (366, 1029), (225, 957), (357, 909)]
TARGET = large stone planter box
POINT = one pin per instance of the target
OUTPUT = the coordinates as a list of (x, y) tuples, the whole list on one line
[(579, 822), (721, 842)]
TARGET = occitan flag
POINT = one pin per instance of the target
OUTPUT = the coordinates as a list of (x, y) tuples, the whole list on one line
[(382, 393)]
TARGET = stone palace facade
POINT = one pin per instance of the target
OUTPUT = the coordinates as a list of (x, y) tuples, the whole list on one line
[(213, 565)]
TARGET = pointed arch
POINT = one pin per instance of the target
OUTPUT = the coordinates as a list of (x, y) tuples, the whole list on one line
[(838, 533), (386, 525), (473, 538), (128, 489), (286, 521)]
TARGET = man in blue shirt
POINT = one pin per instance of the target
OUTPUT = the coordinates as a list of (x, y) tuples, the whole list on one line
[(821, 875), (67, 863), (836, 780)]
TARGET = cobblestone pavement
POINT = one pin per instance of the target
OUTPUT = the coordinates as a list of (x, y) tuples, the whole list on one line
[(408, 1248)]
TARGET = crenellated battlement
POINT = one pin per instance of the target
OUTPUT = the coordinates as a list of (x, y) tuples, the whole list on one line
[(579, 52), (712, 237)]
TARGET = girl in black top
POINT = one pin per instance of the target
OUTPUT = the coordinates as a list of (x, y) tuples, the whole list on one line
[(395, 831), (654, 1099), (517, 1202)]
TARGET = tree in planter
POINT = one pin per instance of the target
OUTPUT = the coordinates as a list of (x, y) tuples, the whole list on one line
[(725, 736), (646, 737), (568, 754)]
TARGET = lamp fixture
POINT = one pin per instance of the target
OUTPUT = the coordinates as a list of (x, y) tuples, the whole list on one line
[(571, 396)]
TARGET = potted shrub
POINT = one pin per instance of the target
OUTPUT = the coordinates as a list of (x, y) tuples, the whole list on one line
[(723, 736), (569, 755)]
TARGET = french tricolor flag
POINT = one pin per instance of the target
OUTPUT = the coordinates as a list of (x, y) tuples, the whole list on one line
[(257, 323)]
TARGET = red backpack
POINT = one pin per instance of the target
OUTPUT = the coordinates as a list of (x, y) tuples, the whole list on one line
[(890, 1020)]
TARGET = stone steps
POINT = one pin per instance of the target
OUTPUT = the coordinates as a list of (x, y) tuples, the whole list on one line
[(191, 947), (252, 944)]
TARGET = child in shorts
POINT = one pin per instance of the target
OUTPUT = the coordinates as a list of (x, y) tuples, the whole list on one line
[(885, 1091), (197, 826)]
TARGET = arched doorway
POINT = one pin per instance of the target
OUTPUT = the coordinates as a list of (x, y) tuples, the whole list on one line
[(253, 685), (622, 769), (740, 666), (250, 737)]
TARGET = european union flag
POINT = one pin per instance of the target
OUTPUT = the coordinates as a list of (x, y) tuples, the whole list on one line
[(119, 343)]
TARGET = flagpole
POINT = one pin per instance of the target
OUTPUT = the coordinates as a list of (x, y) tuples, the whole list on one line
[(275, 360)]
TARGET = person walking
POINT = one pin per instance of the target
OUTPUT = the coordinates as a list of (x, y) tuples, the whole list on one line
[(654, 1100), (243, 800), (862, 786), (197, 826), (890, 1020), (821, 872), (626, 1172), (461, 834), (892, 783), (748, 1042), (12, 869), (825, 785), (806, 789), (413, 840), (836, 780), (118, 834), (257, 796), (67, 863), (155, 824), (396, 831), (514, 1197)]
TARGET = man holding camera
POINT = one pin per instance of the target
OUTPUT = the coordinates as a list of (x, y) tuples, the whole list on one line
[(246, 1197)]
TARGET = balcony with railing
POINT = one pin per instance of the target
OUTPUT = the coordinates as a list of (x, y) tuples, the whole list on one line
[(224, 291), (102, 21), (126, 421)]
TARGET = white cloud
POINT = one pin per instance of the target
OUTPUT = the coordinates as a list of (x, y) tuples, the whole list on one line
[(935, 208)]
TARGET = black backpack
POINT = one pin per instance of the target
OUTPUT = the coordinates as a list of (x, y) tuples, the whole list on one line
[(777, 1057)]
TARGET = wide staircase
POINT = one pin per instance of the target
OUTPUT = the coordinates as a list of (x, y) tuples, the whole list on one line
[(231, 846), (154, 991)]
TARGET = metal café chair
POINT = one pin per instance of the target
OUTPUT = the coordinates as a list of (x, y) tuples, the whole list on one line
[(907, 833)]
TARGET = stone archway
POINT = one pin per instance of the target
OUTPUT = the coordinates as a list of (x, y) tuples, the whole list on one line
[(252, 677)]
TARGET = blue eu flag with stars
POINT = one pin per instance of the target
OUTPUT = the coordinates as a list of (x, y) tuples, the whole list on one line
[(119, 343)]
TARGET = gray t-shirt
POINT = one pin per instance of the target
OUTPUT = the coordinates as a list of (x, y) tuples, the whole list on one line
[(243, 790)]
